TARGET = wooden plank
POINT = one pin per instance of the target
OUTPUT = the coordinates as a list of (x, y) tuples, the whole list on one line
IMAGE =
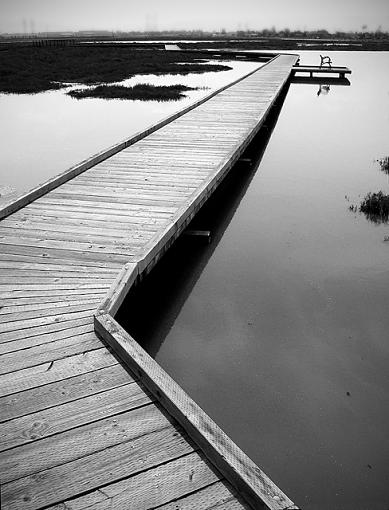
[(73, 414), (69, 246), (86, 284), (65, 254), (42, 321), (55, 371), (82, 442), (46, 258), (46, 329), (33, 341), (53, 351), (114, 204), (156, 169), (54, 276), (27, 295), (64, 391), (46, 266), (45, 311), (122, 190), (213, 497), (87, 216), (137, 199), (43, 268), (48, 280), (111, 234), (92, 237), (180, 477), (69, 224), (92, 471), (14, 303), (45, 304), (142, 180)]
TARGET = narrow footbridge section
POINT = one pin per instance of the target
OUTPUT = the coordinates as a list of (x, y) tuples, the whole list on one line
[(88, 419)]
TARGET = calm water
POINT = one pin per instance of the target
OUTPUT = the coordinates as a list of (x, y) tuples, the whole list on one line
[(279, 327), (41, 135)]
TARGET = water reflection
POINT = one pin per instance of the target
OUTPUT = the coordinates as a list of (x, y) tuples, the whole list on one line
[(323, 90), (320, 80), (145, 314), (375, 206)]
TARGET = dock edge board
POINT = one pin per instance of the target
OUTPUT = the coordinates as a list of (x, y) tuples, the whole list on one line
[(252, 484)]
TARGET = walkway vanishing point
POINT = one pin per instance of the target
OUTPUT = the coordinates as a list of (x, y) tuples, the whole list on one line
[(88, 419)]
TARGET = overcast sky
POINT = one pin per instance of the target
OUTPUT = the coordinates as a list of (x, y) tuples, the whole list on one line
[(43, 15)]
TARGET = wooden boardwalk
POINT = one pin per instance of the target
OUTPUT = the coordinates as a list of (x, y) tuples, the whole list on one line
[(79, 428)]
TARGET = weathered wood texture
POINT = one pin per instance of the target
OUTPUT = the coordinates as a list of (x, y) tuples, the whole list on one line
[(79, 429)]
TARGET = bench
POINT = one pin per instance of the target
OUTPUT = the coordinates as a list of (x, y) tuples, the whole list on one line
[(325, 60)]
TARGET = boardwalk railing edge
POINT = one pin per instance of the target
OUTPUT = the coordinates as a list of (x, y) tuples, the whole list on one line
[(181, 218), (40, 190), (252, 484), (248, 479)]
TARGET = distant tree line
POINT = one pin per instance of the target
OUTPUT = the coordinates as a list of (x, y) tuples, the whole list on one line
[(267, 33)]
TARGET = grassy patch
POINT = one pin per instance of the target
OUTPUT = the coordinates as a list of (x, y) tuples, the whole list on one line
[(376, 207), (30, 69), (144, 92)]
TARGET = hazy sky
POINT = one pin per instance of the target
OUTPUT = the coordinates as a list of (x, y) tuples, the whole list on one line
[(42, 15)]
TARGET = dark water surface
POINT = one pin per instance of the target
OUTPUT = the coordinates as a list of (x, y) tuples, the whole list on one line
[(279, 327)]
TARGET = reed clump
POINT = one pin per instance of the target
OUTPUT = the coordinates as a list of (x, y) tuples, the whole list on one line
[(142, 92), (376, 207), (384, 164)]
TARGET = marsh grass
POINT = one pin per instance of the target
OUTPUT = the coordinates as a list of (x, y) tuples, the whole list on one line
[(26, 70), (375, 206), (142, 91)]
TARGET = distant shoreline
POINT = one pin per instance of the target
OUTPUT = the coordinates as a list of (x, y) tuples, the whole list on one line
[(279, 44), (345, 42)]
